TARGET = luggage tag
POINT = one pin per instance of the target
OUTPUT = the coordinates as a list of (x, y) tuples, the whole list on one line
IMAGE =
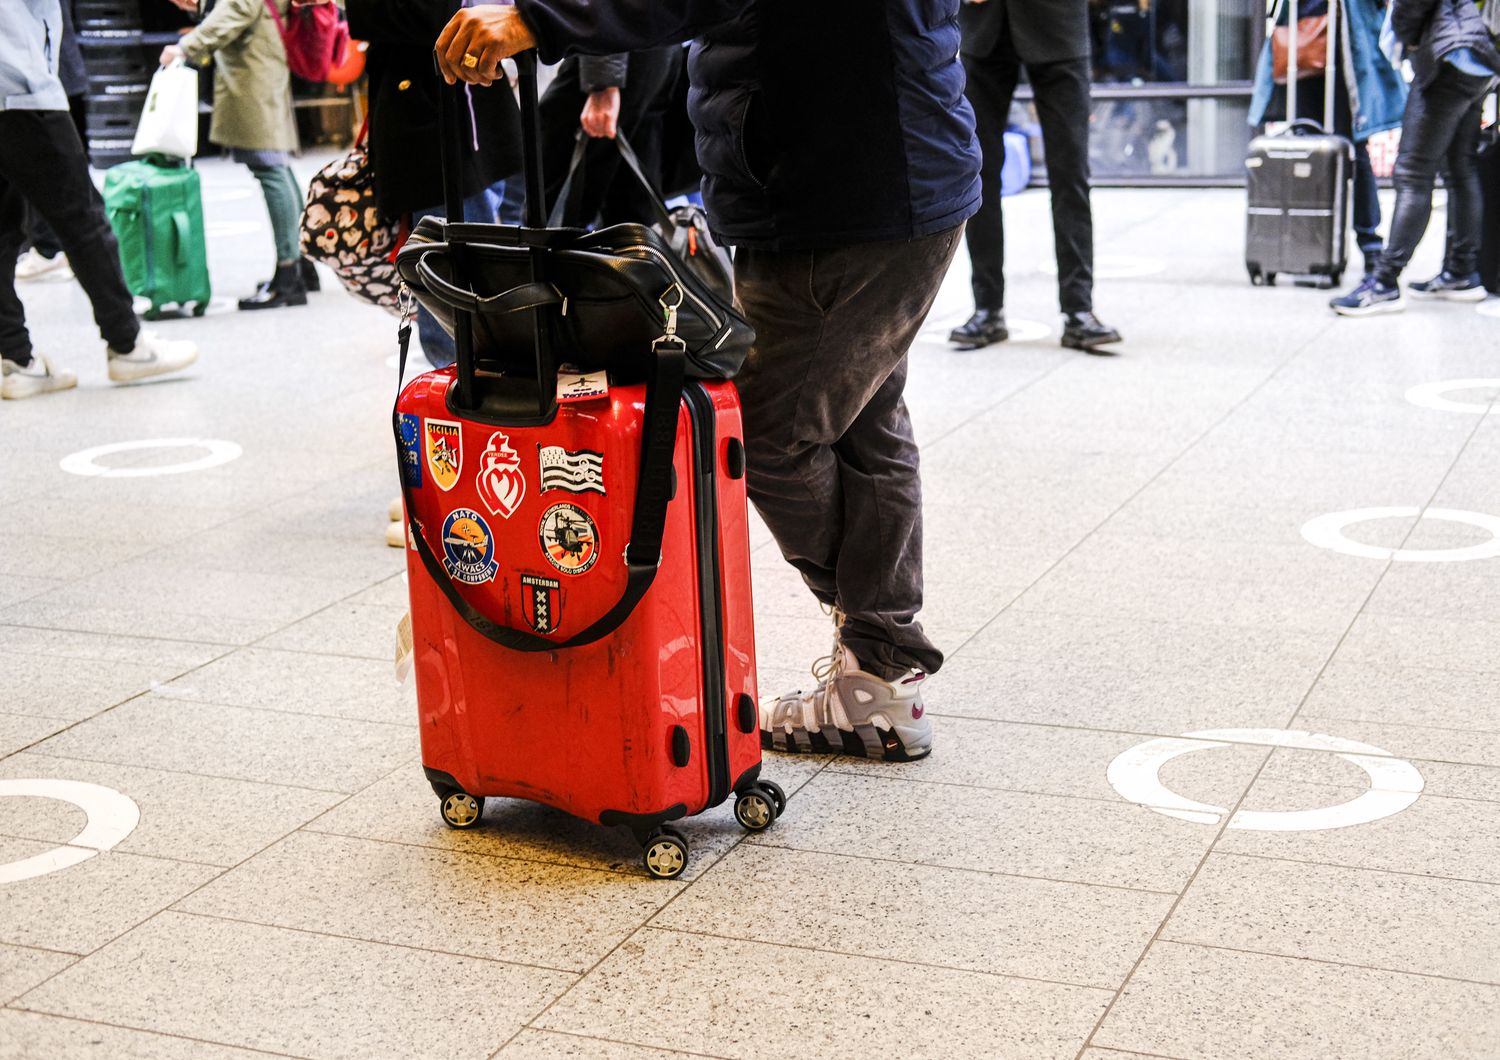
[(404, 648), (574, 384)]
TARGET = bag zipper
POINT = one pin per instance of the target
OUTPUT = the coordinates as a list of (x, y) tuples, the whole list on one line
[(666, 264), (705, 497)]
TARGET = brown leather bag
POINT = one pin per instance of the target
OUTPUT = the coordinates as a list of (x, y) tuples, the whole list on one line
[(1312, 48)]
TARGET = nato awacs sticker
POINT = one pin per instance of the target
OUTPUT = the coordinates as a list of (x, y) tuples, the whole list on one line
[(468, 547), (541, 598), (502, 487), (411, 450), (444, 442), (563, 469), (570, 538)]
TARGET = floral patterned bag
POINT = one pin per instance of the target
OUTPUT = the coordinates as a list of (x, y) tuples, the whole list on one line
[(343, 229)]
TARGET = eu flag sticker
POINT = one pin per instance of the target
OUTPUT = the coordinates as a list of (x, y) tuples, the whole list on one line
[(411, 450)]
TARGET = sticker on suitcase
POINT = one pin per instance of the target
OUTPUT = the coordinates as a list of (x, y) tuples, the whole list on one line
[(542, 602), (574, 384), (576, 472), (501, 485), (569, 538), (468, 547), (444, 443), (411, 454)]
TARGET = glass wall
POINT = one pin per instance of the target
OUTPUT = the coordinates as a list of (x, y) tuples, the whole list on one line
[(1171, 90)]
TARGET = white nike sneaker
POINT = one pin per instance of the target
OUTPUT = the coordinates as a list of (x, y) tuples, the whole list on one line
[(152, 356), (33, 266), (850, 712), (38, 377)]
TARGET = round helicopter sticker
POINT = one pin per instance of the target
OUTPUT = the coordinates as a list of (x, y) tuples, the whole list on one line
[(468, 547), (570, 538)]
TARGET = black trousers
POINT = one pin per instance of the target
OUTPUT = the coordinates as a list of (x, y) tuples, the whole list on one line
[(37, 231), (43, 164), (648, 86), (832, 463), (1062, 105), (1439, 129)]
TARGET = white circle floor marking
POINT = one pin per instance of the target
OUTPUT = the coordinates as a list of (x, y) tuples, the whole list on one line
[(85, 461), (1430, 395), (111, 817), (1394, 782), (1115, 267), (1327, 531)]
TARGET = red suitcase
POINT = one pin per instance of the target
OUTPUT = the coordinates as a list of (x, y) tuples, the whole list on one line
[(518, 560)]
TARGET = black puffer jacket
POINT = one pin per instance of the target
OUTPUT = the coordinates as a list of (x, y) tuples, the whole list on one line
[(819, 122), (405, 150), (1433, 29)]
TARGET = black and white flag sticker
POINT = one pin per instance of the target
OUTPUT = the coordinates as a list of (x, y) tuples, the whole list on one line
[(576, 472)]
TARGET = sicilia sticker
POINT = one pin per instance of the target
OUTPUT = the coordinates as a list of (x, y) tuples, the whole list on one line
[(468, 547), (562, 469), (542, 601), (444, 442), (411, 450), (569, 538), (501, 485)]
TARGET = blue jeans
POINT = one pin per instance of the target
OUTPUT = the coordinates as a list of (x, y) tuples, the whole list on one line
[(481, 207)]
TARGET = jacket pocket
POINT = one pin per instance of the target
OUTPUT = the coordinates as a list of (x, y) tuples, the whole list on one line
[(752, 141)]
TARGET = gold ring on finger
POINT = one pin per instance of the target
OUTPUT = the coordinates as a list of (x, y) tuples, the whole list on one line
[(470, 61)]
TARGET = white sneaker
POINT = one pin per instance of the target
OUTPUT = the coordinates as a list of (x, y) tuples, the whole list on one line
[(850, 712), (152, 356), (33, 266), (39, 377)]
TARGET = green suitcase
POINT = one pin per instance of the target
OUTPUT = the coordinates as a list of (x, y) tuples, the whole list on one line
[(155, 206)]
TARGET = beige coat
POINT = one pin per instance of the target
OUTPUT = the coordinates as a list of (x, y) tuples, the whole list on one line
[(252, 89)]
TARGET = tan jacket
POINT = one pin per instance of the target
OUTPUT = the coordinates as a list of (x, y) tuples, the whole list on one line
[(252, 89)]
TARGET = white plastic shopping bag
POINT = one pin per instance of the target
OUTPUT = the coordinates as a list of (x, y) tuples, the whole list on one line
[(169, 122)]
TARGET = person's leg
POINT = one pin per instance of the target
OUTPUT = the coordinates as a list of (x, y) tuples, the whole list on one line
[(287, 286), (1434, 113), (832, 467), (44, 161), (15, 341), (1465, 195), (1062, 108), (991, 87), (559, 111), (1366, 207)]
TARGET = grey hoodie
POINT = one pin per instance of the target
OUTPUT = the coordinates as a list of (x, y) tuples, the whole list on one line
[(30, 40)]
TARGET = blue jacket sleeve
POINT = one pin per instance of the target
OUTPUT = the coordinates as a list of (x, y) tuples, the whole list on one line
[(598, 27)]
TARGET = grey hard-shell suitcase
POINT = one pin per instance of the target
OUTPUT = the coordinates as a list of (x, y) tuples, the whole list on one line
[(1298, 185)]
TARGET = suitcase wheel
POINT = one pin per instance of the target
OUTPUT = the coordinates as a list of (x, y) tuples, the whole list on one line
[(666, 854), (154, 313), (759, 805), (461, 810), (199, 308)]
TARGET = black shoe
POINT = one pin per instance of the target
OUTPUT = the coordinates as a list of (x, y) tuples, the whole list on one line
[(309, 275), (1084, 331), (286, 288), (981, 329), (1372, 257)]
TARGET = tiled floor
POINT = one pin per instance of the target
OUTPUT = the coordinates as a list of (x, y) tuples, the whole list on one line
[(1114, 556)]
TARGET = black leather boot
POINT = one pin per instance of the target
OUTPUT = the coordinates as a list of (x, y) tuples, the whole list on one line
[(1084, 331), (286, 288), (309, 275), (981, 329)]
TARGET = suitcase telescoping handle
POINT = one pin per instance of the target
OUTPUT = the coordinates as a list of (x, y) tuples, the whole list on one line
[(1329, 66), (453, 106)]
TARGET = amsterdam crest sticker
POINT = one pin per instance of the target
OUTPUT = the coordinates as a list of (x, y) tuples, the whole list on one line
[(541, 599), (569, 538), (468, 547), (443, 441), (501, 485)]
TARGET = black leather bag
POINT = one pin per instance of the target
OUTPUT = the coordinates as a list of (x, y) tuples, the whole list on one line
[(601, 296), (603, 293)]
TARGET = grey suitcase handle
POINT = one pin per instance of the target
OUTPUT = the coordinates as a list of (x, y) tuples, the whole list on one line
[(1329, 69)]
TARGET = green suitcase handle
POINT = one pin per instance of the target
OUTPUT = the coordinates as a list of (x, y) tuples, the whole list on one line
[(182, 229)]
